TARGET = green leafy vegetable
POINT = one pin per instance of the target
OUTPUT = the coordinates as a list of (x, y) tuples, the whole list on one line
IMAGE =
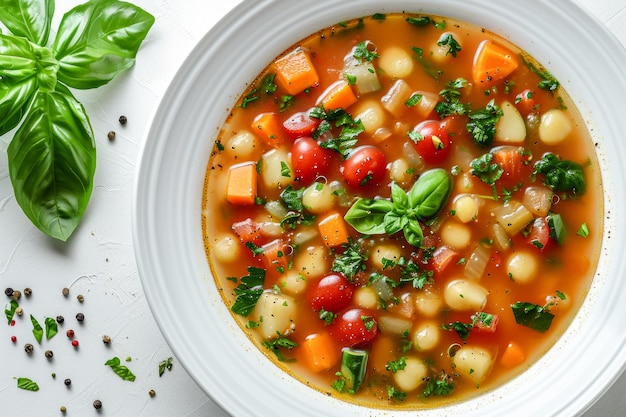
[(482, 124), (281, 342), (363, 53), (425, 199), (451, 96), (37, 330), (442, 384), (52, 155), (395, 366), (532, 315), (349, 129), (165, 364), (488, 172), (583, 230), (119, 369), (561, 175), (557, 228), (462, 329), (452, 44), (548, 82), (27, 384), (248, 291), (410, 272), (9, 310), (51, 327), (394, 394)]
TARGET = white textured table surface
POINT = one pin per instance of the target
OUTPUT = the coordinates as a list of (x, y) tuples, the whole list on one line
[(98, 261)]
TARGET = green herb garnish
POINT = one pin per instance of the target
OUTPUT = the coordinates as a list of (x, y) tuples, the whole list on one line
[(27, 384), (248, 291), (119, 369)]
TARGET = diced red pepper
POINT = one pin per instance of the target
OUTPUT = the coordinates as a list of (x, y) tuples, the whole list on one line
[(247, 231)]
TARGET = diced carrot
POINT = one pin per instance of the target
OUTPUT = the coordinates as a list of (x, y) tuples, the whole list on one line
[(512, 356), (338, 96), (333, 229), (443, 257), (275, 255), (269, 128), (320, 351), (492, 63), (242, 183), (295, 72), (247, 230)]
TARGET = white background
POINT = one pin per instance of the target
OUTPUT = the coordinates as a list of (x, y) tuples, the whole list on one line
[(98, 261)]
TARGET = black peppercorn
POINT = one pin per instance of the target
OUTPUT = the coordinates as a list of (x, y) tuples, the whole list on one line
[(123, 120), (111, 135), (80, 317), (28, 348), (80, 298), (16, 294), (60, 319), (28, 291), (49, 354), (106, 339), (152, 393), (67, 382), (8, 292), (65, 291), (97, 404)]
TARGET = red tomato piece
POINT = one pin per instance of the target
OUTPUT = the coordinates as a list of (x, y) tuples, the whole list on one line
[(514, 161), (539, 235), (275, 255), (247, 230), (332, 293), (309, 160), (486, 326), (301, 124), (525, 102), (365, 166), (431, 141), (355, 327), (443, 257)]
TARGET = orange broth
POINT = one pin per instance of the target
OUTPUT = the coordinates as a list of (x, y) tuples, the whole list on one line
[(398, 312)]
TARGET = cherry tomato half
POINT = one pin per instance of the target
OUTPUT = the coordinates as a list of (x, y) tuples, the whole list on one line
[(525, 102), (539, 235), (332, 292), (432, 141), (355, 327), (365, 166), (301, 124), (309, 160)]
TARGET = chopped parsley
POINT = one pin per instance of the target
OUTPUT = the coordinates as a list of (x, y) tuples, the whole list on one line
[(410, 272), (276, 346), (395, 366), (488, 172), (351, 261), (451, 96), (363, 53), (442, 384), (583, 231), (248, 291), (452, 44), (27, 384), (120, 370), (482, 124), (413, 100), (548, 82)]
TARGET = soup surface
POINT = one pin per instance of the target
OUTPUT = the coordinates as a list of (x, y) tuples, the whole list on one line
[(403, 211)]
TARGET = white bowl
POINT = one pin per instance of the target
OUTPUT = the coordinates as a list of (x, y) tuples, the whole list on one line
[(177, 280)]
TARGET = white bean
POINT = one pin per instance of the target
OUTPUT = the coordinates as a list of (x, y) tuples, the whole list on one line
[(463, 295), (466, 208), (428, 303), (456, 235), (243, 145), (413, 374), (313, 262), (226, 248), (473, 363), (366, 297), (387, 251), (399, 171), (292, 282), (372, 115), (275, 312), (426, 336), (522, 267), (554, 127), (396, 62), (318, 198)]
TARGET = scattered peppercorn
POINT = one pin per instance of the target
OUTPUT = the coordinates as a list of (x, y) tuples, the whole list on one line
[(123, 120), (28, 292), (80, 298), (67, 382), (106, 339), (28, 348), (19, 311), (111, 135), (69, 333), (63, 409), (80, 317), (75, 343), (8, 292), (54, 375), (65, 291), (97, 404), (17, 294), (152, 393), (60, 319), (49, 354), (13, 339)]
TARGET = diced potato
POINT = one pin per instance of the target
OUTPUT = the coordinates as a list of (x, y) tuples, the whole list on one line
[(426, 336), (473, 363), (366, 297), (275, 313), (276, 169), (371, 114), (292, 282), (426, 104), (522, 267), (464, 295), (365, 76), (313, 262), (511, 127), (396, 62), (428, 303), (391, 324), (413, 374), (243, 145), (318, 198), (554, 127), (226, 248), (513, 216), (393, 101), (388, 251), (441, 53)]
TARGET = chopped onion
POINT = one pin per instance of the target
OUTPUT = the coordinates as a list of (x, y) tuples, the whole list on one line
[(477, 262)]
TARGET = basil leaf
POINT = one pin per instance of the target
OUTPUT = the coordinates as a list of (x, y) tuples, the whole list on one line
[(413, 233), (51, 327), (98, 40), (27, 384), (399, 198), (532, 315), (248, 291), (9, 310), (561, 175), (367, 215), (430, 192), (52, 162), (28, 18), (121, 370), (394, 222), (37, 330)]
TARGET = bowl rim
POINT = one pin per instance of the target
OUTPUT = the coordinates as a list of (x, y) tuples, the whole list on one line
[(165, 221)]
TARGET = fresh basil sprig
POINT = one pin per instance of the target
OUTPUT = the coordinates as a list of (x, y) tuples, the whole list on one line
[(52, 157), (405, 210)]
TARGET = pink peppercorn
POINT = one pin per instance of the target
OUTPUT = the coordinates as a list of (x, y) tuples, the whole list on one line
[(75, 343), (69, 333), (12, 322), (13, 339)]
